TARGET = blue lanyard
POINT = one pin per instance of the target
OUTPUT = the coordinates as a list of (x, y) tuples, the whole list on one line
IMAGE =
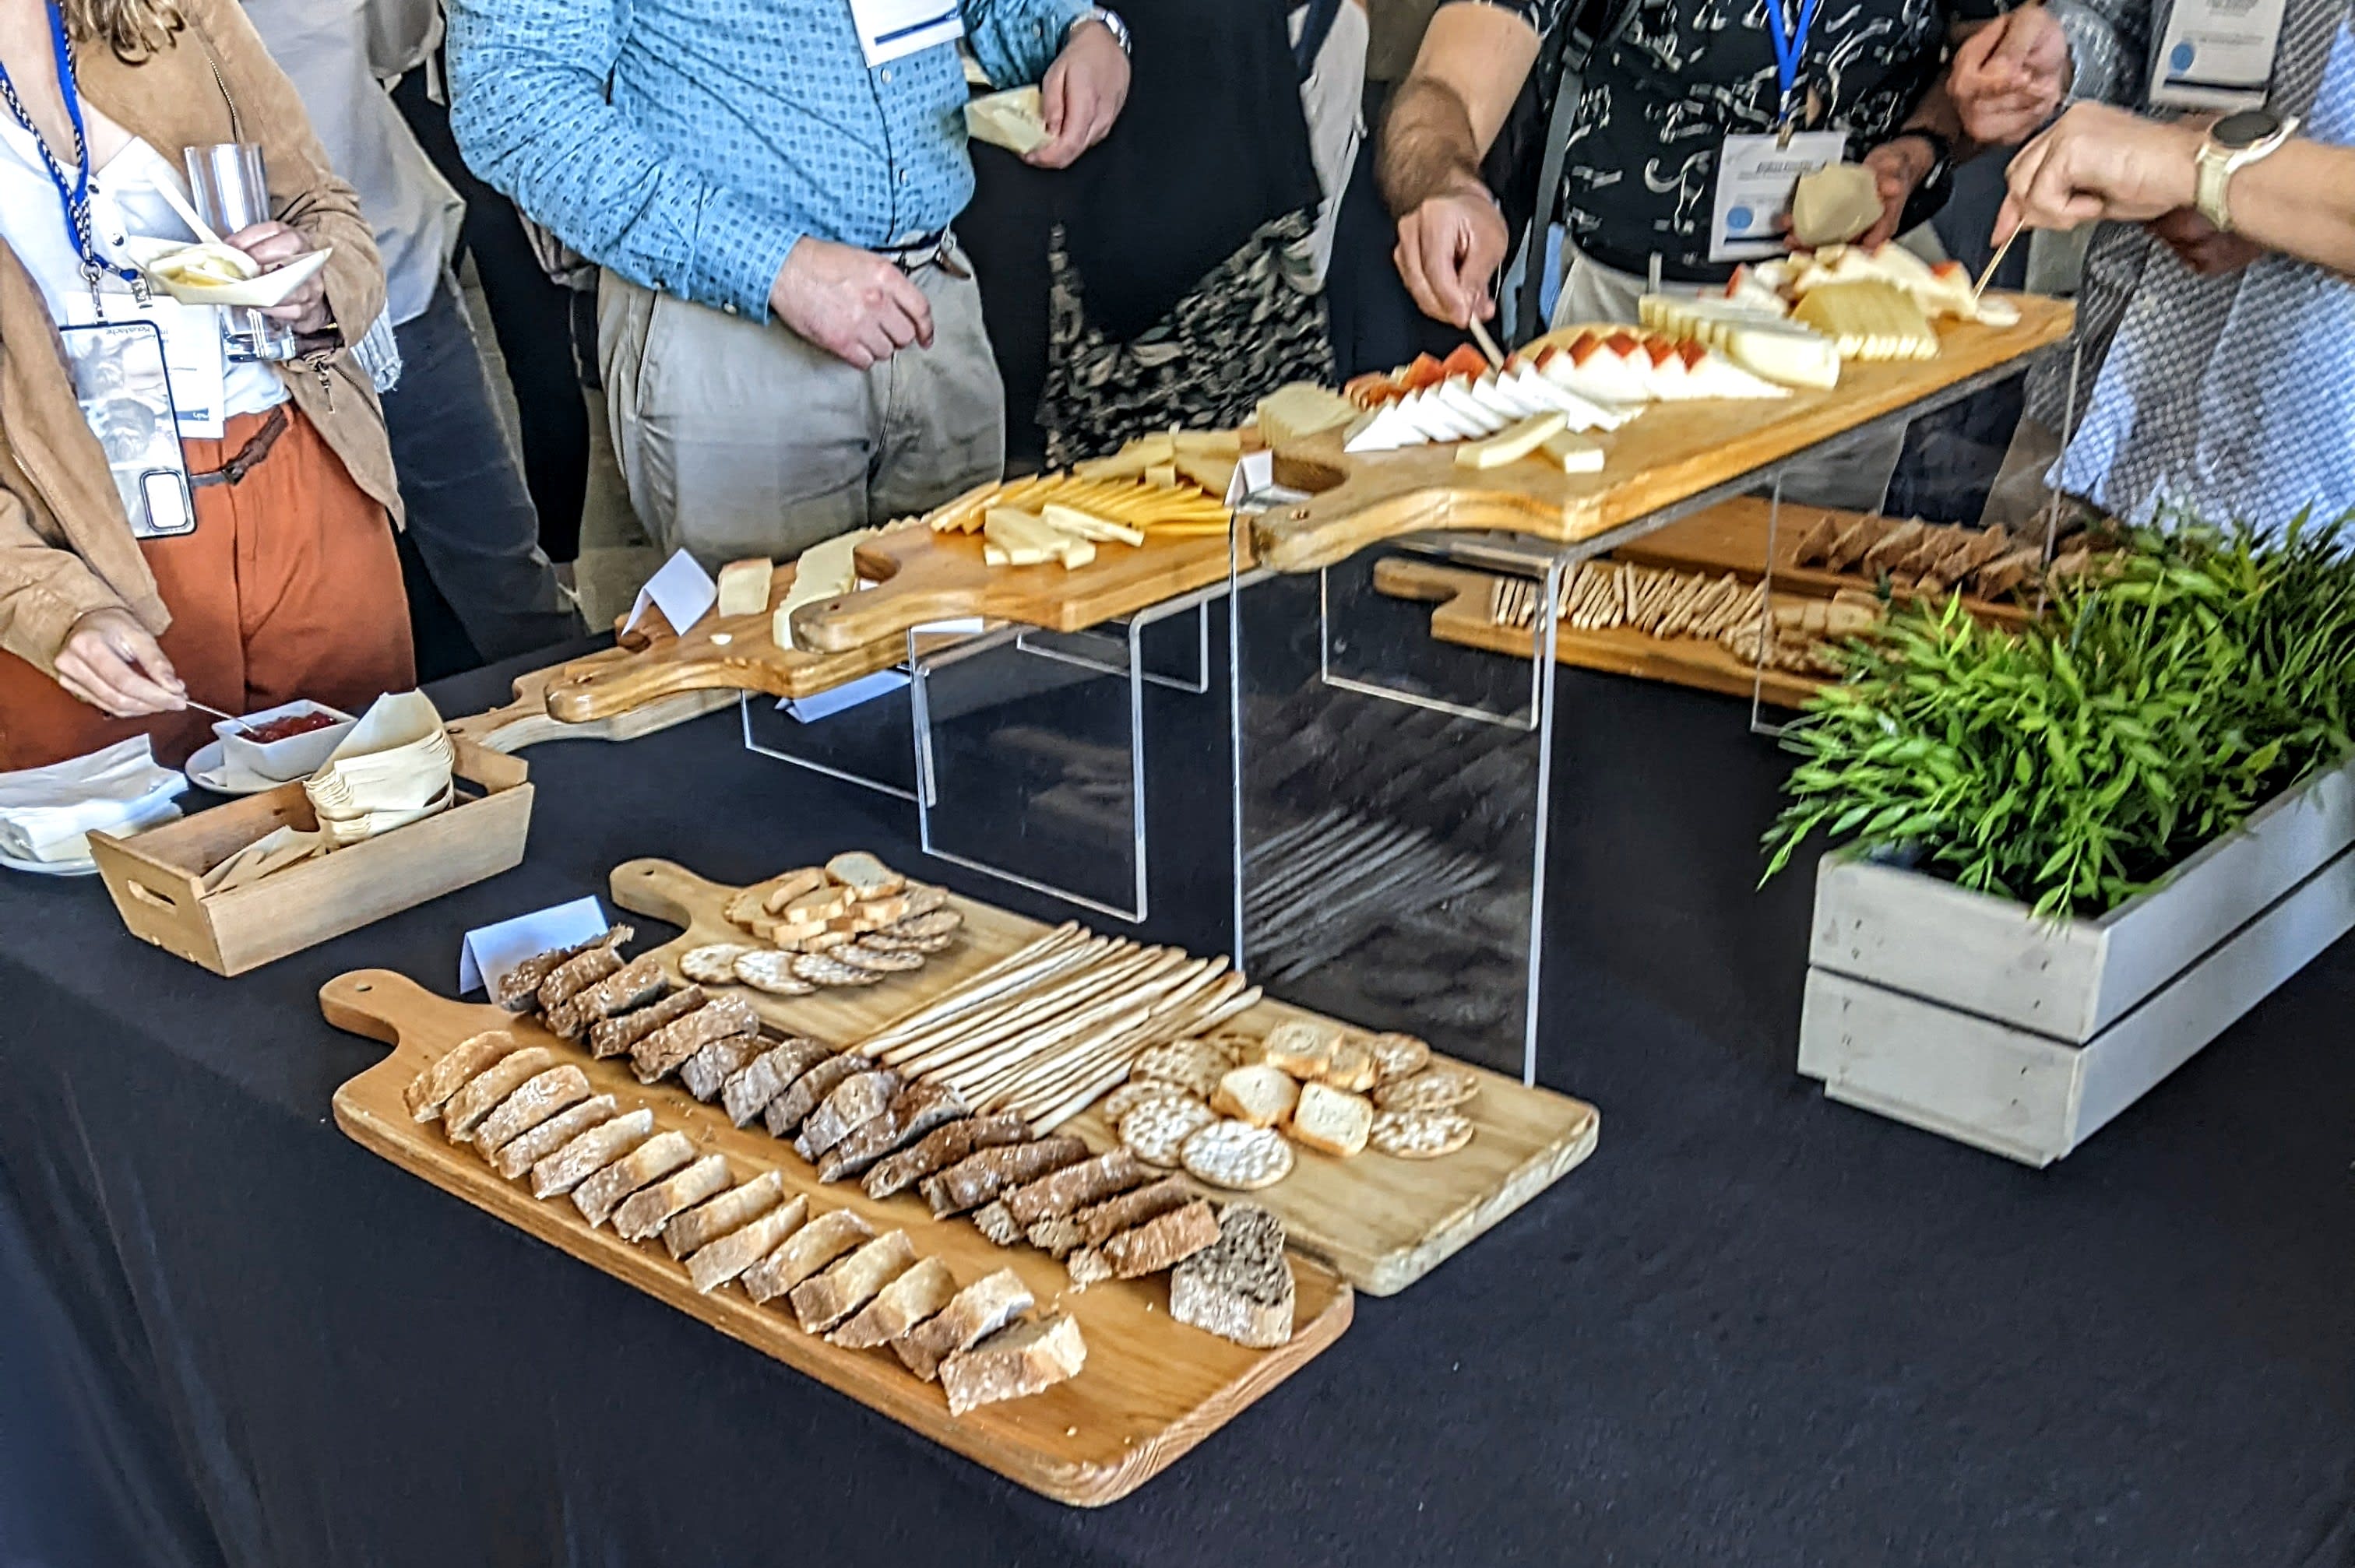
[(74, 196), (1790, 45)]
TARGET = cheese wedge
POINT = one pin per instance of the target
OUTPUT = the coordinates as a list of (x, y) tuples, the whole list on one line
[(1013, 120), (1872, 321), (1132, 461), (1029, 540), (744, 587), (827, 568), (1298, 410), (1835, 204), (1513, 445)]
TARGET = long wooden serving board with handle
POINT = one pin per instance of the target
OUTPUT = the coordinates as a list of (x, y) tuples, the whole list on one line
[(1383, 1222), (525, 721), (920, 576), (1672, 453), (1151, 1389)]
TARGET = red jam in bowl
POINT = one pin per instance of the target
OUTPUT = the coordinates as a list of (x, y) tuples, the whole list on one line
[(286, 727)]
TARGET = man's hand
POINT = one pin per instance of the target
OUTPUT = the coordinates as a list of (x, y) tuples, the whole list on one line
[(2200, 245), (1449, 249), (272, 245), (2008, 77), (109, 662), (1899, 167), (1080, 95), (852, 303), (2099, 163)]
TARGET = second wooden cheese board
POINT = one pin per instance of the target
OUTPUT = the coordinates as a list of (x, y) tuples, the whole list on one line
[(1382, 1222), (1672, 453), (1151, 1387), (525, 721)]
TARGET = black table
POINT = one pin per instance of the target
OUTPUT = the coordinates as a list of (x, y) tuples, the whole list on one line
[(1756, 1328)]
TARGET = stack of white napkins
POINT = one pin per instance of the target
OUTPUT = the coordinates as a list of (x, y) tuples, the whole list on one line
[(393, 768), (47, 813)]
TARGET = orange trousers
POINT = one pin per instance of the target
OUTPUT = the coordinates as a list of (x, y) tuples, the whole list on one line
[(289, 587)]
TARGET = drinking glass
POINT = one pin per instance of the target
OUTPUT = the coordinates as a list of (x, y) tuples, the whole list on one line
[(233, 193)]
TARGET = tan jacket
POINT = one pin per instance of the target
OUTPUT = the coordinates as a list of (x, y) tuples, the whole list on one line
[(65, 547)]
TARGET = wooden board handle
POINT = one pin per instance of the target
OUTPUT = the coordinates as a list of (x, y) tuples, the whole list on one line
[(1421, 582), (851, 621), (363, 1002), (663, 890)]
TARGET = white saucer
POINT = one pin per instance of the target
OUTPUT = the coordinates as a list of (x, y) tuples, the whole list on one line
[(51, 867), (209, 769)]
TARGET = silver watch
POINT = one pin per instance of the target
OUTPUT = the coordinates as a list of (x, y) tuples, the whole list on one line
[(1111, 19)]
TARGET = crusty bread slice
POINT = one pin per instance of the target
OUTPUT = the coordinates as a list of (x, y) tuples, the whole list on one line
[(1262, 1095), (520, 1153), (646, 1210), (826, 1300), (1332, 1120), (1014, 1362), (866, 876), (432, 1089), (612, 1036), (539, 1098), (983, 1175), (749, 1246), (650, 1161), (784, 1112), (1303, 1047), (982, 1308), (813, 1246), (944, 1147), (471, 1106), (1146, 1249), (899, 1307), (690, 1232), (589, 1152)]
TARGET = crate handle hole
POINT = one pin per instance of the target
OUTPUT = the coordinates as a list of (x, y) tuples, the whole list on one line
[(145, 894), (363, 988)]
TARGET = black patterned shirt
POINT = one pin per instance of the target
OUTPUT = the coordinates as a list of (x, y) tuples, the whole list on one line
[(1642, 171)]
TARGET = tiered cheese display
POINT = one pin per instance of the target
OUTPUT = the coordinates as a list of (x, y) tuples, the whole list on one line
[(1060, 518)]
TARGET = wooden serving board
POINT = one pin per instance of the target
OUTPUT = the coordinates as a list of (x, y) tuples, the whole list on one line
[(1152, 1387), (1382, 1222), (1674, 451), (1462, 618), (922, 577), (729, 654), (1732, 537), (525, 721)]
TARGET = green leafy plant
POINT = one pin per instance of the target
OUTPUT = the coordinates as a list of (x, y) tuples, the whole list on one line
[(2070, 765)]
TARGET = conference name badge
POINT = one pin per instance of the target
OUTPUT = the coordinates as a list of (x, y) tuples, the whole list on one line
[(1755, 177)]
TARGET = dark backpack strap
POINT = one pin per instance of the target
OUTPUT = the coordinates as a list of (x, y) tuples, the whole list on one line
[(1579, 49), (1321, 13)]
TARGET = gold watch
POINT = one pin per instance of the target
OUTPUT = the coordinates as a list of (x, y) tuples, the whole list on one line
[(2233, 144)]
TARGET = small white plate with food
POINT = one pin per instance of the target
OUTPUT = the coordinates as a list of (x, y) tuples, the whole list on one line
[(207, 274)]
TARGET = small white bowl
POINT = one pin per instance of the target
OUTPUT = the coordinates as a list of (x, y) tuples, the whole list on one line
[(296, 756)]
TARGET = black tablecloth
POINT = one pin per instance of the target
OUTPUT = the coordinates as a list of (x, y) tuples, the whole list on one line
[(1757, 1327)]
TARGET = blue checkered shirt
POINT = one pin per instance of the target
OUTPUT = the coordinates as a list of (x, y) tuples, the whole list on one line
[(687, 144)]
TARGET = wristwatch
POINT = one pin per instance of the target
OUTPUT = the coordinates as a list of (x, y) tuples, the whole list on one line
[(1111, 19), (2233, 144)]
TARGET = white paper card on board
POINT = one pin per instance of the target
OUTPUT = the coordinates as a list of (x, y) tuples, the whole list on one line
[(1256, 471), (2216, 54), (491, 953), (682, 590), (889, 29), (1755, 177), (849, 694)]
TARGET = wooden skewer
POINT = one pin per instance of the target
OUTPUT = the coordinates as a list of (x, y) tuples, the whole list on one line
[(1487, 344), (1986, 275)]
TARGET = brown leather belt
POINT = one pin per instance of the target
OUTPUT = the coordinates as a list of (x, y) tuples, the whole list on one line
[(249, 456)]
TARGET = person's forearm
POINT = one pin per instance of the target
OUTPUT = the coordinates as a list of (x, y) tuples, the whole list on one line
[(2300, 202), (529, 112), (1428, 148), (1936, 112)]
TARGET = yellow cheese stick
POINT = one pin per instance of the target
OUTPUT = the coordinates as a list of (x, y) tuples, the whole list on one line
[(1514, 444), (962, 515)]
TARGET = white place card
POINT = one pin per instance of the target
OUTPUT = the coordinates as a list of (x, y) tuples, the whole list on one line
[(682, 590), (491, 953)]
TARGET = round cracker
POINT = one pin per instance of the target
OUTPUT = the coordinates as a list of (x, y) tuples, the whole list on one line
[(923, 898), (1130, 1095), (765, 969), (1189, 1064), (1420, 1134), (877, 960), (1443, 1087), (931, 925), (1237, 1155), (824, 968), (714, 964), (1156, 1130), (1398, 1055)]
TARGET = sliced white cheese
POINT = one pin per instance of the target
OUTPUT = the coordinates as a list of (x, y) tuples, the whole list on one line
[(1429, 413), (1298, 410), (1785, 352), (1071, 520), (1500, 395), (1385, 429), (1026, 537), (827, 568), (1454, 394), (1513, 445), (744, 587), (1573, 453)]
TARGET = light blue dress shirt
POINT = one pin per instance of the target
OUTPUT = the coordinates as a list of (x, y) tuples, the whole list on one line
[(688, 144)]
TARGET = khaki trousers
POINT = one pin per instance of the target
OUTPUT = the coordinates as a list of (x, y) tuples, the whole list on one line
[(739, 438)]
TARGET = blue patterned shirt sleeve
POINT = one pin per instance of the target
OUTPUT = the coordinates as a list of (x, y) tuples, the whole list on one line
[(1016, 40), (530, 113)]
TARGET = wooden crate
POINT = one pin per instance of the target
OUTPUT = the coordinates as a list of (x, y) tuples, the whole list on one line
[(157, 877), (1964, 1015)]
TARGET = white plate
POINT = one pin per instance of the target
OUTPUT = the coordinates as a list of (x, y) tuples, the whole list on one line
[(209, 770), (51, 867)]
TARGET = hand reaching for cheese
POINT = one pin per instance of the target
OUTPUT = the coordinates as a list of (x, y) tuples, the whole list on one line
[(1898, 166), (1449, 249), (2097, 162), (852, 303), (273, 245), (1082, 95)]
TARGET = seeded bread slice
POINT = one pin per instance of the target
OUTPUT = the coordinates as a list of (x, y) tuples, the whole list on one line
[(1099, 1223), (703, 1072), (519, 989), (785, 1114), (1014, 1364), (751, 1087), (915, 1110), (850, 1104), (663, 1052), (1146, 1249), (577, 974), (1240, 1287), (612, 1036), (634, 984), (981, 1309), (942, 1147), (980, 1177), (742, 1250)]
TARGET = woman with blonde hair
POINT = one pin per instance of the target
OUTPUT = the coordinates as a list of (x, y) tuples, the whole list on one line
[(289, 584)]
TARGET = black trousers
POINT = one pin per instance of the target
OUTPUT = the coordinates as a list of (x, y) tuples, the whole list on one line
[(532, 317)]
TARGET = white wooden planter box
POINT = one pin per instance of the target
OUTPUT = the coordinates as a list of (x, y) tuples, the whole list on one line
[(1964, 1014)]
